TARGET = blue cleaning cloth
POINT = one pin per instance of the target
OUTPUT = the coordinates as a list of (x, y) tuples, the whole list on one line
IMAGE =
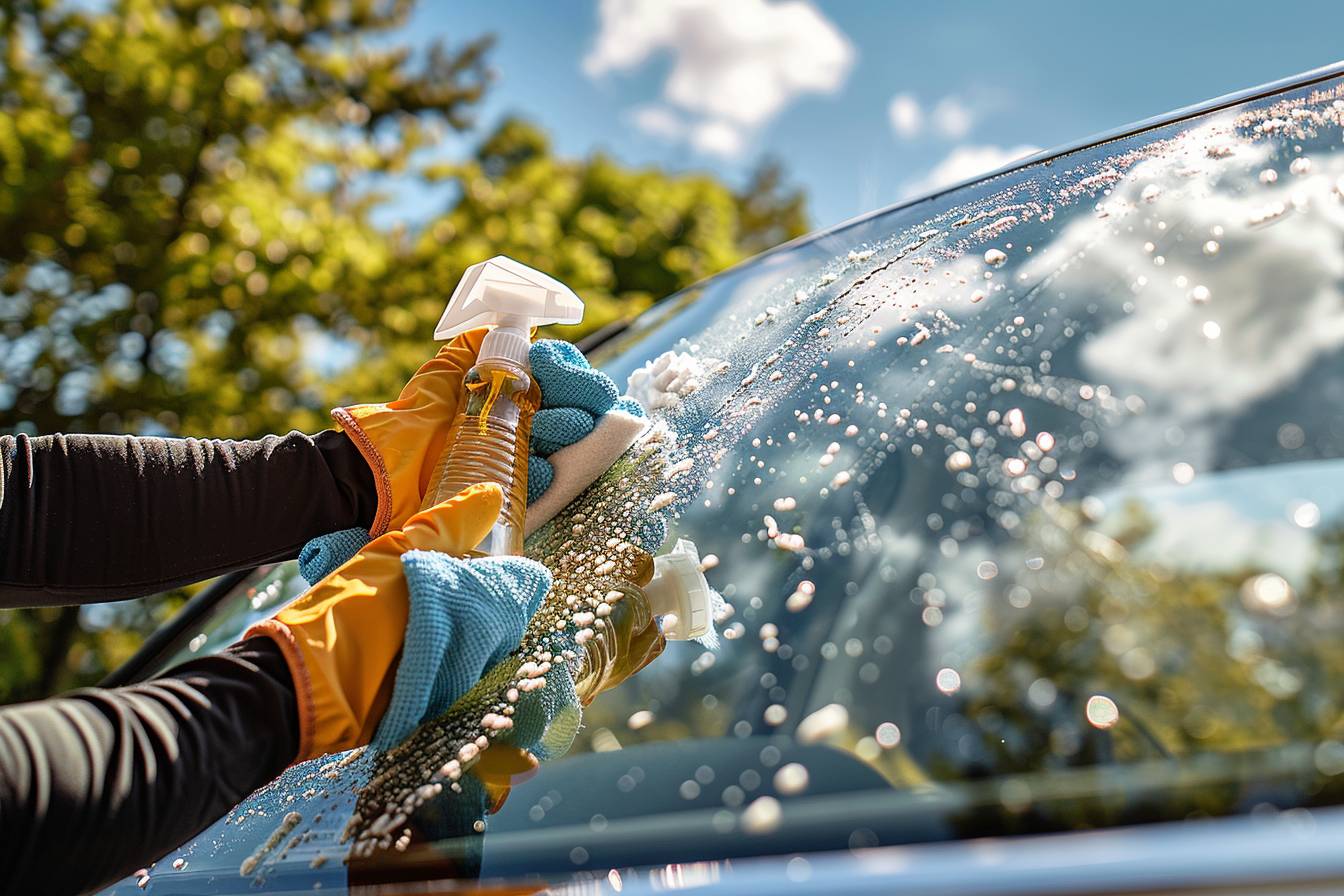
[(464, 618), (556, 428), (651, 533), (323, 554), (540, 475), (546, 721), (574, 397), (568, 381), (629, 405)]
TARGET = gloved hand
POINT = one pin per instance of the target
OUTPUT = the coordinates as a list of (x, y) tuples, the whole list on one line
[(574, 397), (465, 617), (402, 440), (342, 639)]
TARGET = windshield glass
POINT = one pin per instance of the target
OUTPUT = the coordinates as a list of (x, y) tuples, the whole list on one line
[(1027, 504)]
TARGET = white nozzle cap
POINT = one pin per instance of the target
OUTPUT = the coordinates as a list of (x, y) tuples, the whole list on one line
[(680, 593), (509, 295)]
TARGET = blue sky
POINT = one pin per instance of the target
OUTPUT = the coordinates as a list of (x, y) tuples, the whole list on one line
[(715, 84)]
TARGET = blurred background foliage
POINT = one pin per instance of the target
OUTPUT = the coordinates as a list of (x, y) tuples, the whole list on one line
[(189, 246)]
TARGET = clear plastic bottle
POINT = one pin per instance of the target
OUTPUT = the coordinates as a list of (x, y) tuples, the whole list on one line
[(487, 442), (488, 439), (671, 587), (610, 648)]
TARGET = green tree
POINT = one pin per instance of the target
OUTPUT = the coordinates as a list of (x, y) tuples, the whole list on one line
[(188, 244), (769, 210)]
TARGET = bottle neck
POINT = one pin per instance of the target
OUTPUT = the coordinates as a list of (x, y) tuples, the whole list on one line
[(507, 341)]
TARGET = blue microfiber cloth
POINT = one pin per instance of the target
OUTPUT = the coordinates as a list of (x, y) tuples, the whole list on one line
[(568, 381), (555, 428), (630, 406), (651, 533), (465, 617), (540, 475), (322, 555)]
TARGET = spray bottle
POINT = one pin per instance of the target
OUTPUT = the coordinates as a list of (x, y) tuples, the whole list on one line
[(487, 440), (670, 587)]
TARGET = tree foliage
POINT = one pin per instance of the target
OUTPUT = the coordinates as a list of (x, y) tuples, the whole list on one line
[(1194, 662), (188, 232)]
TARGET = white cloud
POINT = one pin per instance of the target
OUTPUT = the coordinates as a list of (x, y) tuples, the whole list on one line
[(1272, 292), (720, 138), (952, 118), (966, 162), (735, 65), (1181, 540), (906, 114), (659, 121)]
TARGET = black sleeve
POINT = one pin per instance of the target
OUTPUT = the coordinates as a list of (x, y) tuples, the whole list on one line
[(99, 783), (95, 518)]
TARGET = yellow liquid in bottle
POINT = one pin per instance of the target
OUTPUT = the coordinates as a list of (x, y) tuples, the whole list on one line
[(605, 655), (488, 442)]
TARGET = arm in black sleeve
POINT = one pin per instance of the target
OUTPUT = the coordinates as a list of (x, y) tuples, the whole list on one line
[(93, 518), (98, 783)]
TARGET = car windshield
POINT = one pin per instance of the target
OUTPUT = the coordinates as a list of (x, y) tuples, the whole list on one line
[(1027, 505)]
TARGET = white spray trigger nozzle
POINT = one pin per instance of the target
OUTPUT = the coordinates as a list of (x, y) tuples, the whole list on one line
[(680, 593), (507, 293)]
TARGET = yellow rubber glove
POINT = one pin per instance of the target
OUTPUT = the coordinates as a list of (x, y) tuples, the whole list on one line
[(343, 638), (402, 440), (499, 769)]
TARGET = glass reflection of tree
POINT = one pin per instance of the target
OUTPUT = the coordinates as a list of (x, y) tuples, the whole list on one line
[(1191, 662)]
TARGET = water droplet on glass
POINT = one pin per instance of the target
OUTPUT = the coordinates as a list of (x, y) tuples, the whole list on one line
[(762, 816), (888, 735), (1268, 593), (791, 779), (1305, 514), (948, 681), (1102, 712), (830, 719), (1291, 436), (958, 461)]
